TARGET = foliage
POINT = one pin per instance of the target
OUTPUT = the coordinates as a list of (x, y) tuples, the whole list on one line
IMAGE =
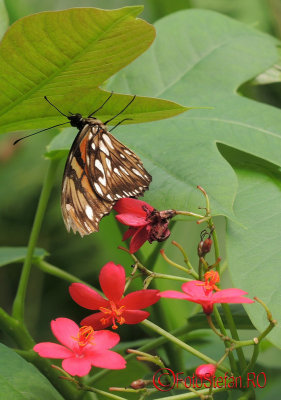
[(227, 143)]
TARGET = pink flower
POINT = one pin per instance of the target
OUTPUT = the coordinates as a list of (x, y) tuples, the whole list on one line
[(205, 371), (145, 222), (115, 308), (202, 293), (81, 348)]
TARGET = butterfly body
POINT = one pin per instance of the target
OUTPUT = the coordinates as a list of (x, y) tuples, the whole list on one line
[(99, 171)]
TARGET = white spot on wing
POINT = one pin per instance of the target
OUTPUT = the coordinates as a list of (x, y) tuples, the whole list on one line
[(107, 140), (123, 169), (102, 180), (137, 172), (122, 156), (117, 171), (127, 151), (89, 212), (98, 189), (98, 164), (109, 197), (103, 148), (93, 146), (108, 162)]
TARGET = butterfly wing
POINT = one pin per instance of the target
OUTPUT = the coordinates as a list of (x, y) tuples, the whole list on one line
[(116, 171), (99, 171), (82, 208)]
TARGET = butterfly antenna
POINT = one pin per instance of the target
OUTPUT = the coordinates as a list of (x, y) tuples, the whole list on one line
[(120, 112), (35, 133), (101, 105), (45, 97), (120, 122)]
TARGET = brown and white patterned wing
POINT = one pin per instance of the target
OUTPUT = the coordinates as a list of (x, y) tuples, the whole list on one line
[(82, 208), (115, 171)]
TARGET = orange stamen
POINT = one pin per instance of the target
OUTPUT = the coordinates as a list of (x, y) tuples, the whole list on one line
[(211, 278), (85, 336), (114, 313)]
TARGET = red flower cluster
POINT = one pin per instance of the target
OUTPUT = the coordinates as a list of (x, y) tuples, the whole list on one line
[(145, 222), (115, 309)]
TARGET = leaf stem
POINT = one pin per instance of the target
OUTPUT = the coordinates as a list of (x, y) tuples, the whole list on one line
[(181, 344), (59, 273), (18, 306)]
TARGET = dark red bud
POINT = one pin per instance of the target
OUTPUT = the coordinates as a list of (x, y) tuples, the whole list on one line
[(207, 244), (204, 247)]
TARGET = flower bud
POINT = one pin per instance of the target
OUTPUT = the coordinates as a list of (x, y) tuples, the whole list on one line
[(204, 247), (138, 384), (205, 371)]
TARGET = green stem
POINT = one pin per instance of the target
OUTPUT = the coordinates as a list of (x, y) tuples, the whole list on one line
[(171, 277), (216, 243), (181, 344), (189, 214), (59, 273), (185, 259), (234, 334), (253, 360), (18, 306), (178, 266), (101, 392), (232, 361), (225, 307)]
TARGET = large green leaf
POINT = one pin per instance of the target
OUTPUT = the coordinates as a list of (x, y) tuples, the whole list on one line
[(9, 255), (20, 380), (214, 55), (254, 253), (67, 55)]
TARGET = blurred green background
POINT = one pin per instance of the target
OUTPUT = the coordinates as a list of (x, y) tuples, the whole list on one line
[(21, 175)]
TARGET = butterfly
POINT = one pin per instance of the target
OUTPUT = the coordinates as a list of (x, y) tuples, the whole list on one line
[(99, 171)]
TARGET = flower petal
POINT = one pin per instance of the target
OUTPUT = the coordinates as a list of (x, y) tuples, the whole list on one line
[(231, 296), (130, 232), (77, 366), (112, 280), (86, 297), (131, 220), (65, 330), (106, 339), (94, 320), (173, 294), (194, 289), (107, 359), (140, 299), (132, 206), (139, 238), (52, 350), (134, 316)]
